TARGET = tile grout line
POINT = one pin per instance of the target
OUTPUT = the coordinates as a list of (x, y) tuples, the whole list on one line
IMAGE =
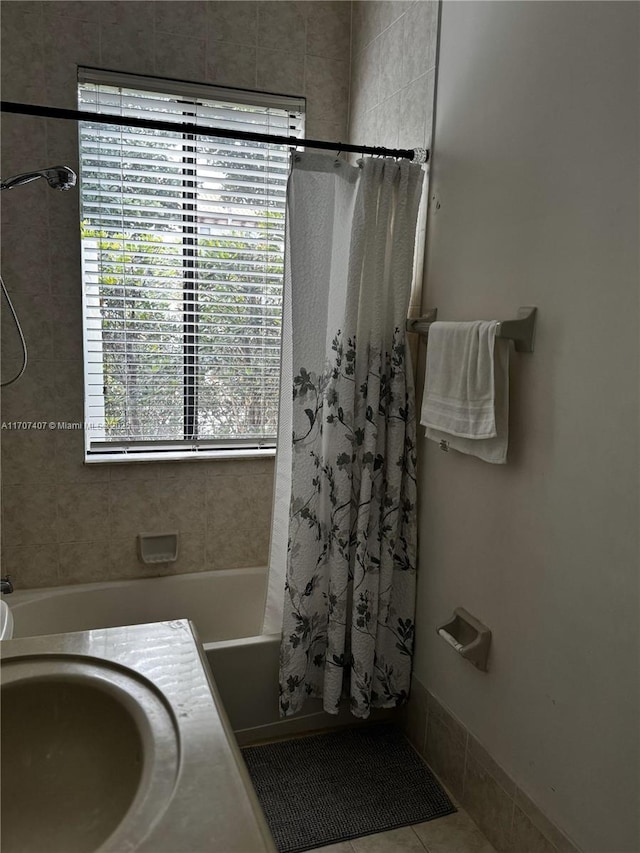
[(426, 730), (348, 121), (464, 766), (50, 324), (512, 821), (420, 841)]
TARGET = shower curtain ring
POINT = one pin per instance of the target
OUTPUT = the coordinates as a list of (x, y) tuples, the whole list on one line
[(337, 161)]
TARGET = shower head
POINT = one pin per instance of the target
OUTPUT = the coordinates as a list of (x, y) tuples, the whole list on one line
[(58, 177)]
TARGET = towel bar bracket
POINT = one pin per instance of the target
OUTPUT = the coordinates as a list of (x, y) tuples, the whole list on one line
[(521, 330), (420, 325)]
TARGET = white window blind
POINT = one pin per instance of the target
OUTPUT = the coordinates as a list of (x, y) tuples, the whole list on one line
[(182, 251)]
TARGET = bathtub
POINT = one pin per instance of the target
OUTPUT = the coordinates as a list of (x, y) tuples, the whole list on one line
[(223, 605), (226, 607)]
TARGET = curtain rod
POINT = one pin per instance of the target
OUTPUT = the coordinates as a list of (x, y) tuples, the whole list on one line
[(419, 155)]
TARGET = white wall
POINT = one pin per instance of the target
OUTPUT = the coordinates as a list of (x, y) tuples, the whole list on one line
[(535, 166)]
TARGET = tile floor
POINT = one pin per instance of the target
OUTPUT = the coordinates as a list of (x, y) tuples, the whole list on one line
[(456, 833)]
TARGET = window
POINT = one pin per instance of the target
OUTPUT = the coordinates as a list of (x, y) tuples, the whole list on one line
[(182, 253)]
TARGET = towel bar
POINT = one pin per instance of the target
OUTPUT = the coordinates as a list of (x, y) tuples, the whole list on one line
[(521, 330)]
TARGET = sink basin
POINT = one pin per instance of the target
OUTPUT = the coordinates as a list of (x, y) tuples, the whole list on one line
[(6, 621), (89, 755)]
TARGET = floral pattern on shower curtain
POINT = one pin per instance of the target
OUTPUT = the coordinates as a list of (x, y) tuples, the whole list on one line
[(351, 559)]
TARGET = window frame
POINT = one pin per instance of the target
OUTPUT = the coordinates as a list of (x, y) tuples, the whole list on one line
[(189, 447)]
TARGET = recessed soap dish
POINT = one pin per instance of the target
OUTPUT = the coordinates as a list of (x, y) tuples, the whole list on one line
[(469, 637), (158, 547)]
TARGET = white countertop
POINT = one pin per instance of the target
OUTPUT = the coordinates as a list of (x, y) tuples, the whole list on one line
[(212, 806)]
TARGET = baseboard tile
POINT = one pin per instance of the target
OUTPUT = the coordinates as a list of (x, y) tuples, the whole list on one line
[(507, 816)]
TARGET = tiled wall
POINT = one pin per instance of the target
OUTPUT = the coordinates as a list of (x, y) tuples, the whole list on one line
[(64, 521), (505, 814), (393, 72), (393, 49)]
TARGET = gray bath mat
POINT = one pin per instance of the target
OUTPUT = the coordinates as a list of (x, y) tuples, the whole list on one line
[(328, 788)]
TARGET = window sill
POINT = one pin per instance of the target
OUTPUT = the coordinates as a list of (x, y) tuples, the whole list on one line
[(178, 456)]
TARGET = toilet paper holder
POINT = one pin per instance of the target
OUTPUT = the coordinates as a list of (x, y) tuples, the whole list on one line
[(468, 636)]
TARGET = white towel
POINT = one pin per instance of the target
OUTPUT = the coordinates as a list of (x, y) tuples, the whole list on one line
[(466, 398)]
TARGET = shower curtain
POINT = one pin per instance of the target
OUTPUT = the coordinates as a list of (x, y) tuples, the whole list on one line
[(343, 554)]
